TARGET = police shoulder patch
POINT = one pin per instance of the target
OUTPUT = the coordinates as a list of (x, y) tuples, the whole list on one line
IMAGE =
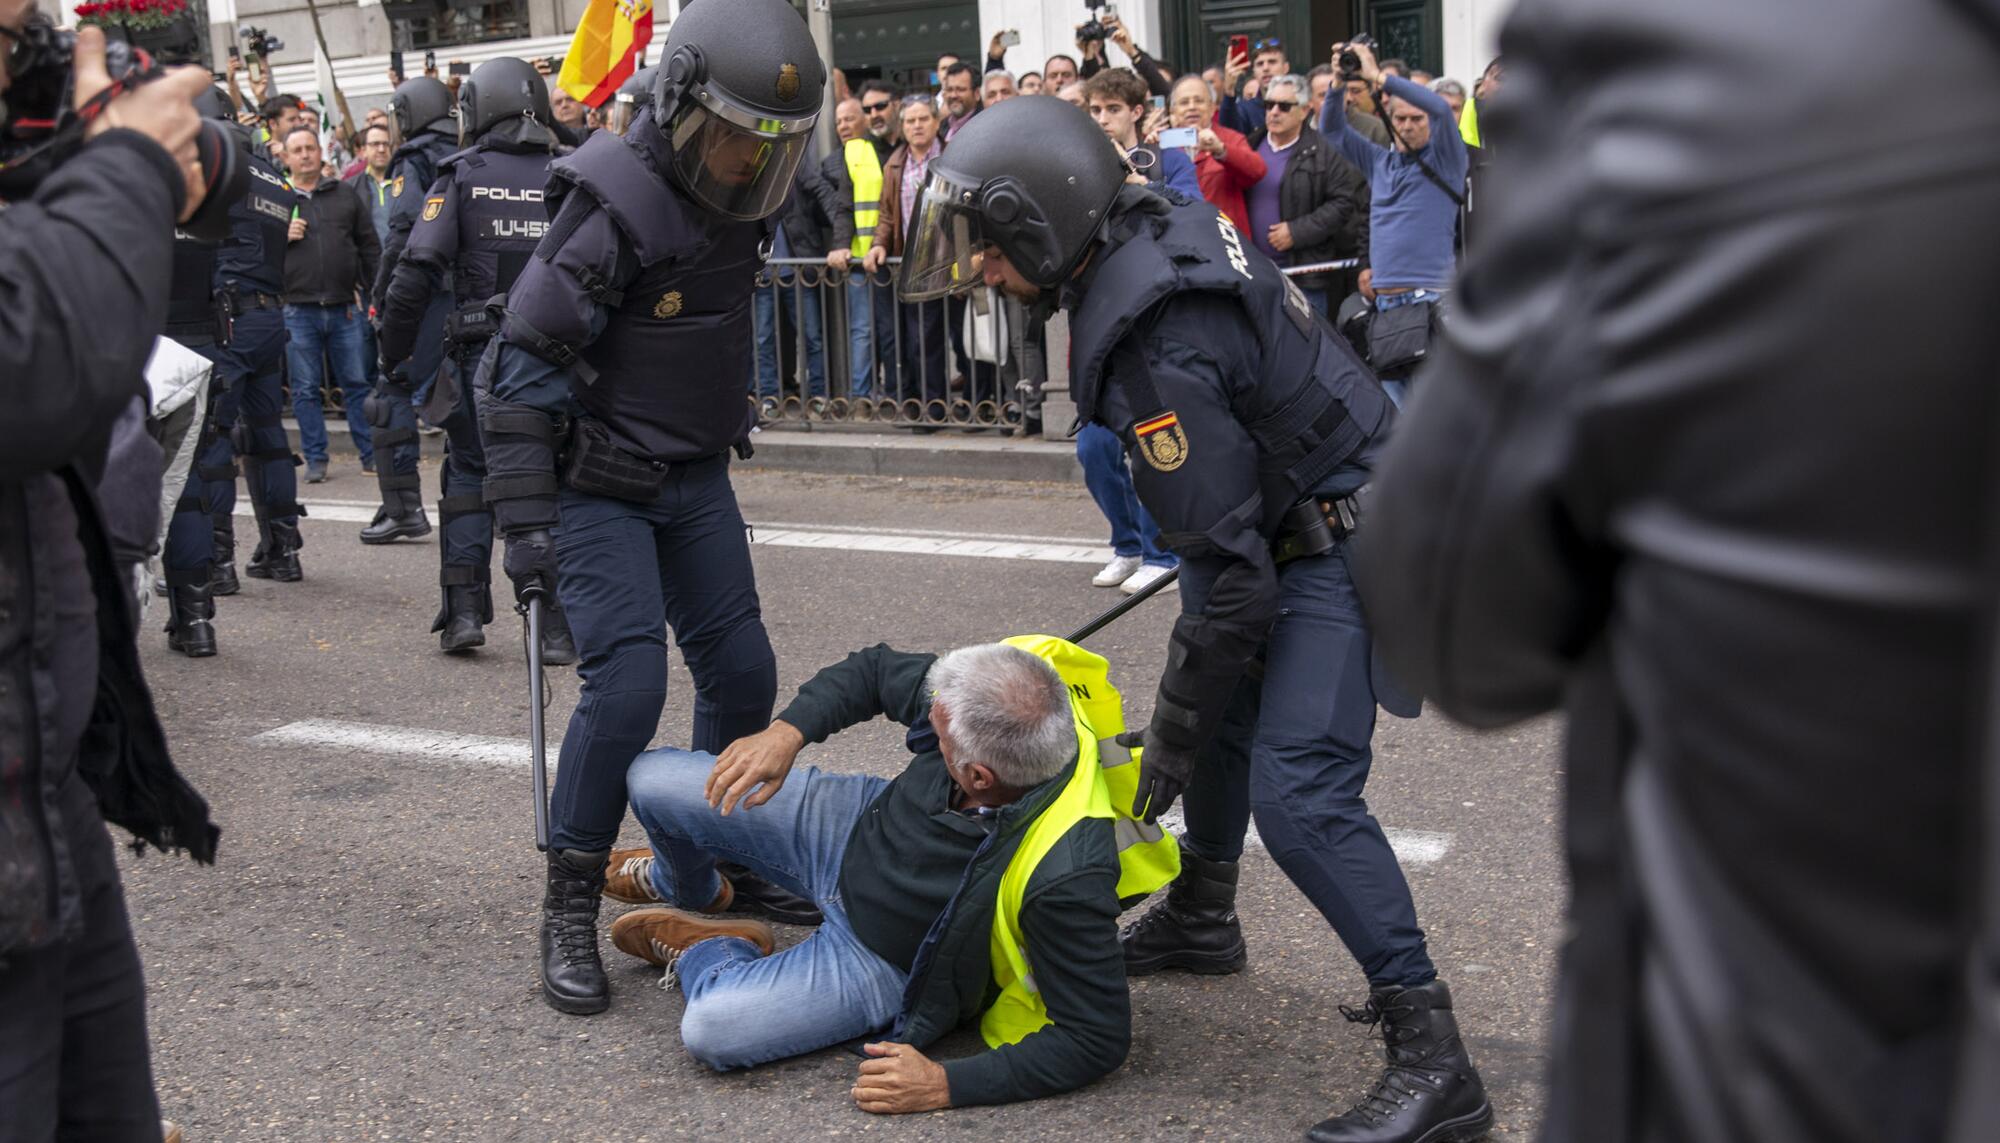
[(432, 207), (1163, 443), (396, 187)]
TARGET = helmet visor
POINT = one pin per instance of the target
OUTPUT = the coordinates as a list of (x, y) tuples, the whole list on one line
[(945, 252), (733, 169), (619, 113)]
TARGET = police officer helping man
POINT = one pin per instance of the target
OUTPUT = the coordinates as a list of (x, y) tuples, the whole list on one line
[(479, 223), (1252, 428), (423, 111), (625, 347)]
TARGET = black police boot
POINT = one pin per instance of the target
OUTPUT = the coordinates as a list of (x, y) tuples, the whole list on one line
[(406, 518), (1194, 927), (189, 615), (572, 975), (281, 561), (1429, 1093), (757, 897), (558, 645), (461, 622), (222, 571)]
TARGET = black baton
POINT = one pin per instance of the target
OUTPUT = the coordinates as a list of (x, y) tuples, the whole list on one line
[(1128, 603), (538, 748)]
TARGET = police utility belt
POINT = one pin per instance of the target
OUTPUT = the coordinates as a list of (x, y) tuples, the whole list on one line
[(232, 303), (1314, 527), (591, 463), (470, 325)]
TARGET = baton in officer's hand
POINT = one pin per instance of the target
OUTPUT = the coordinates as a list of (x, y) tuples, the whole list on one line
[(1128, 603), (537, 745)]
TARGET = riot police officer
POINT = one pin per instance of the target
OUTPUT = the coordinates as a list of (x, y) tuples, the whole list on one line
[(632, 97), (626, 345), (191, 561), (423, 111), (479, 223), (249, 292), (1252, 428)]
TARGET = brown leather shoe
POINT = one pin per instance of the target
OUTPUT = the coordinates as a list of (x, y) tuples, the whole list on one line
[(659, 936), (629, 880), (169, 1132)]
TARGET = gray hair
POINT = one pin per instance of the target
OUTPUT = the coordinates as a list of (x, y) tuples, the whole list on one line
[(1445, 85), (1301, 90), (1008, 709), (996, 73)]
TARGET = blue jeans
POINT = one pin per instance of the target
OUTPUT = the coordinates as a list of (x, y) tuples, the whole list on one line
[(800, 305), (744, 1008), (1294, 750), (336, 332), (1133, 532), (626, 573), (871, 332)]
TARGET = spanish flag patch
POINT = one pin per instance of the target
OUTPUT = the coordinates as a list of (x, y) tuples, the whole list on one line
[(1163, 443), (432, 206)]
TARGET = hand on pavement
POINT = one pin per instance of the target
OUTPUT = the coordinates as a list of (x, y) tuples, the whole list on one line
[(900, 1079)]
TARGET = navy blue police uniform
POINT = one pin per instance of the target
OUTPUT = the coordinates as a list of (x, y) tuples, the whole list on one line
[(250, 284), (1236, 404), (626, 342), (479, 224), (194, 320), (391, 408)]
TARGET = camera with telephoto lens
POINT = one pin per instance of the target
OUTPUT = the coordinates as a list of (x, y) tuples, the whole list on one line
[(259, 42), (1350, 63), (42, 127)]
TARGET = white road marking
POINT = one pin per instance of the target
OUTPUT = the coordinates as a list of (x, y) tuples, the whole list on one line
[(832, 537), (1413, 847)]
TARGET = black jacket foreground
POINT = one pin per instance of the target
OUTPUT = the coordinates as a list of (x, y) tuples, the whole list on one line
[(1707, 459), (911, 859), (340, 251), (94, 243)]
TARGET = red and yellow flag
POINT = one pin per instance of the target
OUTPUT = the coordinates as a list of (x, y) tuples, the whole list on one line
[(610, 41)]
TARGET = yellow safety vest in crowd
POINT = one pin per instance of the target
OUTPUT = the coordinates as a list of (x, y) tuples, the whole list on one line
[(1468, 123), (864, 167), (1105, 781)]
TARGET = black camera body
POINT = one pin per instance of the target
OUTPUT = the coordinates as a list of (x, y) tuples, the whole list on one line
[(1350, 64), (1094, 30), (43, 127), (261, 43)]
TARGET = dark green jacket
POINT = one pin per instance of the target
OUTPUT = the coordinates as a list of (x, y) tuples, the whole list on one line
[(1069, 915)]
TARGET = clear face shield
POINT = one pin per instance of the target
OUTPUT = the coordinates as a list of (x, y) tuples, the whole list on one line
[(736, 164), (619, 113), (945, 252)]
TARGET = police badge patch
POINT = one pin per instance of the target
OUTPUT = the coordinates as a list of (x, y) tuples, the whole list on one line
[(432, 206), (1162, 441), (668, 305), (788, 82), (396, 187)]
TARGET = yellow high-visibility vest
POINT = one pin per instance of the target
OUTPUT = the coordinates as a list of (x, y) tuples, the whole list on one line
[(1105, 781), (864, 167)]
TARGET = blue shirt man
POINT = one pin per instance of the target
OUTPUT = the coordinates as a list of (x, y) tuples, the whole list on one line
[(1411, 216)]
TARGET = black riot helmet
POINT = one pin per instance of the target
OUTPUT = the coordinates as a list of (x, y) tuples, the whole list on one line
[(632, 97), (738, 92), (499, 90), (1034, 177), (422, 104)]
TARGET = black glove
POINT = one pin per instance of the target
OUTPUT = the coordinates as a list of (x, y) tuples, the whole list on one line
[(531, 564), (1163, 774)]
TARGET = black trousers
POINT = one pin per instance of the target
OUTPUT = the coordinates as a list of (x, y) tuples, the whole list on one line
[(74, 1064), (925, 346)]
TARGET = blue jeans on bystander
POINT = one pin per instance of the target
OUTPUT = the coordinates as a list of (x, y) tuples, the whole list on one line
[(1133, 532), (336, 332)]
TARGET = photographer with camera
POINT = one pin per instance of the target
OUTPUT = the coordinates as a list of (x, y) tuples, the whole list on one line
[(1416, 189), (87, 231)]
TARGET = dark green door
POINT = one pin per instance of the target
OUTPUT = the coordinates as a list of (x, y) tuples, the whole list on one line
[(1196, 31), (1410, 30), (902, 39)]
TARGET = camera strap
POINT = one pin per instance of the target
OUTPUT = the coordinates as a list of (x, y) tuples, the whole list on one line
[(1432, 175)]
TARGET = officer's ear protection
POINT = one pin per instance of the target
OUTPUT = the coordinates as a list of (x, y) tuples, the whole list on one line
[(680, 74), (1018, 225)]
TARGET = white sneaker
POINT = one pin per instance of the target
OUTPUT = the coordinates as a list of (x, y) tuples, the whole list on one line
[(1147, 574), (1116, 572)]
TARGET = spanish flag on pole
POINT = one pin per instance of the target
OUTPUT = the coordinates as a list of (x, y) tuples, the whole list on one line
[(609, 43)]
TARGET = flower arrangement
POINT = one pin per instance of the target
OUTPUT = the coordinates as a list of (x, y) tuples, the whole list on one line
[(132, 14)]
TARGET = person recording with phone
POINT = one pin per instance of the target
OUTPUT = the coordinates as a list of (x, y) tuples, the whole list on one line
[(87, 231)]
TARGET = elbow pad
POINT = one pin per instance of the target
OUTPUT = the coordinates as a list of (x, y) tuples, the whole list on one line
[(521, 446)]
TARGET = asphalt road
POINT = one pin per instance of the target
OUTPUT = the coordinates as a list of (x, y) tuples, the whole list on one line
[(360, 963)]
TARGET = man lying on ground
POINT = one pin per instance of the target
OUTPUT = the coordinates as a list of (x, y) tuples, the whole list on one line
[(908, 873)]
